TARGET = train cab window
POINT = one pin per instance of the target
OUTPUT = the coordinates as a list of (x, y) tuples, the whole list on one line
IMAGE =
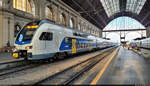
[(46, 36), (27, 33)]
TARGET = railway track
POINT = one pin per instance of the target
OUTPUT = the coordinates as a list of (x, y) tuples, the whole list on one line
[(11, 64), (68, 75), (5, 73)]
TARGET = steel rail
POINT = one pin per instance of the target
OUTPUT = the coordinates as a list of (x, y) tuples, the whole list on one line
[(94, 60)]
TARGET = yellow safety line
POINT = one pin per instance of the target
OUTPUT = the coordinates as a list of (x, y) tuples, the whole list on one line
[(98, 76)]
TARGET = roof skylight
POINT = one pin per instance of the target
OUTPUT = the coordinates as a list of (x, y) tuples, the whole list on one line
[(111, 6)]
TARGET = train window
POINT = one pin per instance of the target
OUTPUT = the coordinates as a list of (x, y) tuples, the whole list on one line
[(68, 40), (78, 45), (75, 34), (42, 37), (49, 36), (46, 36), (30, 32), (26, 34), (84, 45)]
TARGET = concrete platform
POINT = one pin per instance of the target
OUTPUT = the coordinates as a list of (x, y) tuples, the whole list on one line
[(6, 57), (127, 68)]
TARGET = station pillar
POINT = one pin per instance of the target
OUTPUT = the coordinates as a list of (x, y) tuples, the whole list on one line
[(1, 30), (148, 31), (100, 33)]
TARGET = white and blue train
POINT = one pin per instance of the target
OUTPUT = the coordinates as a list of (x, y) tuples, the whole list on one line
[(143, 43), (44, 40)]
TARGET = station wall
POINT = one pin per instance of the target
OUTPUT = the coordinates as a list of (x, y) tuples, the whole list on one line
[(13, 18)]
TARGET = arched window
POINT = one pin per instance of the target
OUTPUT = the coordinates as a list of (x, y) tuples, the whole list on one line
[(62, 19), (71, 22), (88, 30), (24, 5), (17, 29), (93, 31), (79, 26), (1, 3), (29, 7), (48, 13), (96, 32), (84, 27), (54, 16)]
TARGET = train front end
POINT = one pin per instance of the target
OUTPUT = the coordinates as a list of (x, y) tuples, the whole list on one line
[(23, 43)]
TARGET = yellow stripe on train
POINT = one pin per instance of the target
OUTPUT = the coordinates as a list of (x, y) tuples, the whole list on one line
[(74, 50)]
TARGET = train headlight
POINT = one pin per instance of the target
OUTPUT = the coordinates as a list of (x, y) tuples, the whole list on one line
[(28, 47)]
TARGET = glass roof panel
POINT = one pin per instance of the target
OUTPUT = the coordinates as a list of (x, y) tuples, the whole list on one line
[(111, 6), (135, 6)]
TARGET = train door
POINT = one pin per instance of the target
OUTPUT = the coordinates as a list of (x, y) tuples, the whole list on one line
[(74, 49), (96, 43), (50, 43), (40, 43), (90, 45)]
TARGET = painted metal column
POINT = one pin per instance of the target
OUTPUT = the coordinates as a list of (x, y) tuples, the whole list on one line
[(1, 30), (148, 31)]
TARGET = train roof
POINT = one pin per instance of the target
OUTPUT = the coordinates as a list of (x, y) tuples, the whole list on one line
[(74, 31)]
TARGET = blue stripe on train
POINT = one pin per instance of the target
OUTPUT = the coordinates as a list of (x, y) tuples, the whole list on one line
[(68, 46), (65, 46), (22, 42)]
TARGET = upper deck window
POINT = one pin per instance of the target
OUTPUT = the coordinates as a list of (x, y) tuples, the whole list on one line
[(47, 36)]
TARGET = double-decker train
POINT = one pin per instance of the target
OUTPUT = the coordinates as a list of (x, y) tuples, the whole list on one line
[(144, 43), (44, 39)]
